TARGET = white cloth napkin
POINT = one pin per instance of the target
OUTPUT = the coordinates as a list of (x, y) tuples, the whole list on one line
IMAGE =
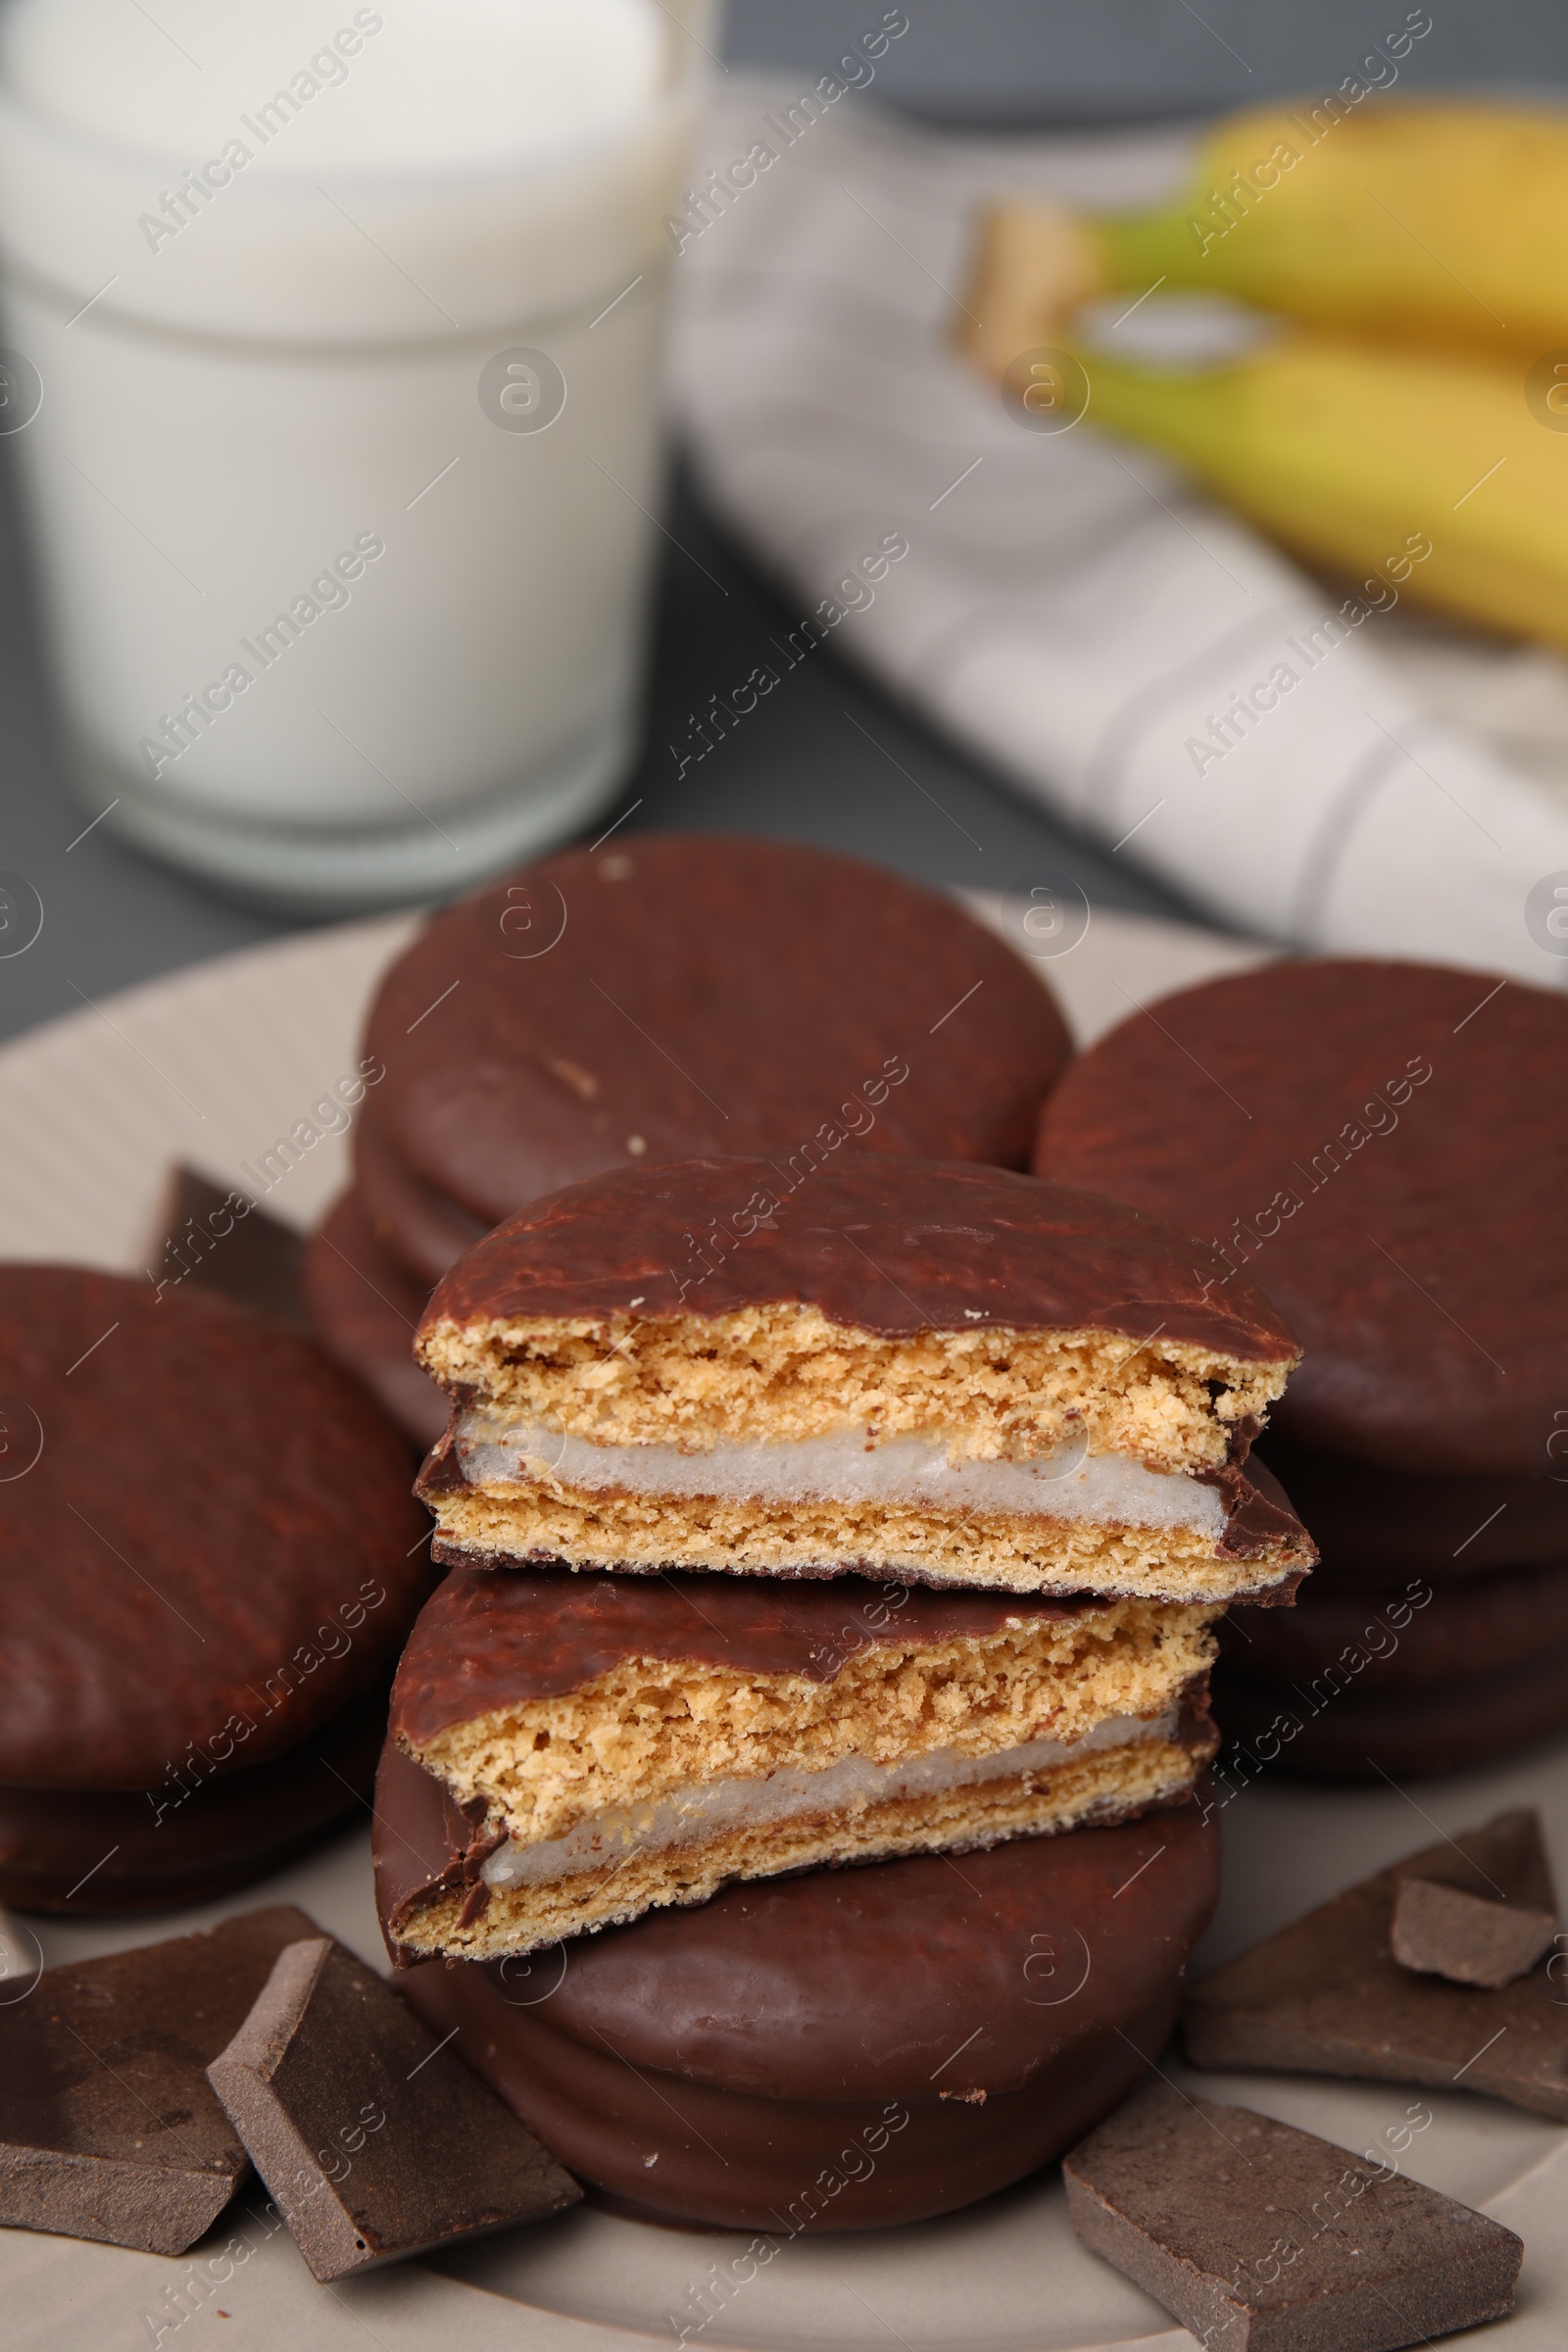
[(1070, 608)]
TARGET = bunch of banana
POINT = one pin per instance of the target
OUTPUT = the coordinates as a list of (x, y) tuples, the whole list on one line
[(1418, 391)]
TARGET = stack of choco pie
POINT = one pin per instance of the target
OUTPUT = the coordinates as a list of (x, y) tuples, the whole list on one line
[(1384, 1148), (873, 1511)]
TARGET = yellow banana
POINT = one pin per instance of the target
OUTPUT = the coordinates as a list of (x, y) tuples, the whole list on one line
[(1437, 223), (1443, 223), (1435, 472)]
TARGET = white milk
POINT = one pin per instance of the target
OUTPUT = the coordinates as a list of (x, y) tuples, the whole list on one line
[(346, 321)]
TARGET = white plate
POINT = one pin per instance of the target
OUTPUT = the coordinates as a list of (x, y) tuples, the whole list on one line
[(210, 1067)]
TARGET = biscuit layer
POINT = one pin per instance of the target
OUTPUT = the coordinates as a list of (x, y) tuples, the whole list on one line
[(479, 1921), (514, 1525), (776, 1374)]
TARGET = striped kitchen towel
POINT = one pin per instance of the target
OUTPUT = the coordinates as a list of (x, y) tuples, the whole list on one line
[(1305, 764)]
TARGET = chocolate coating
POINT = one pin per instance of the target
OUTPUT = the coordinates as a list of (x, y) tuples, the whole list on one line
[(1375, 1526), (893, 1248), (1425, 1264), (100, 1851), (1427, 1727), (424, 1841), (365, 1308), (702, 994), (214, 1513), (486, 1639), (1406, 1633), (752, 2044), (423, 1231)]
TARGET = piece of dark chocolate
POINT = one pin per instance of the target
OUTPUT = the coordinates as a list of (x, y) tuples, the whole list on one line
[(1262, 2238), (108, 2128), (1470, 1939), (216, 1238), (1325, 1995), (374, 2138)]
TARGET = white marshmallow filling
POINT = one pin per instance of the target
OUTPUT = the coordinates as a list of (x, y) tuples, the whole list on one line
[(1070, 1483), (695, 1815)]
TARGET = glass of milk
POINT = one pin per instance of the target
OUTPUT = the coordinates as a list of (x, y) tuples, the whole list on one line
[(332, 362)]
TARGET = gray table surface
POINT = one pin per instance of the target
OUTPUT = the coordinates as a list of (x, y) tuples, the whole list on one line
[(112, 918)]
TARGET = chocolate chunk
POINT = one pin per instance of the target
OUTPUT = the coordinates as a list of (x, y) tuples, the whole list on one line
[(1262, 2238), (218, 1238), (108, 2128), (1325, 1995), (373, 2137), (1470, 1939)]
